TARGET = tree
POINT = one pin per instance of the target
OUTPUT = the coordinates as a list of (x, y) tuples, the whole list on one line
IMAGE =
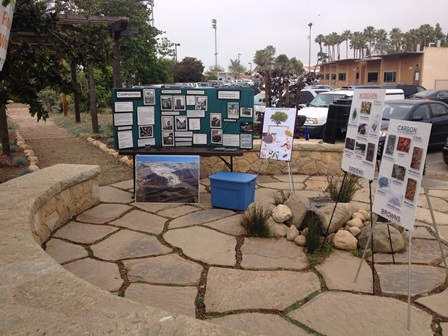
[(396, 38), (281, 62), (294, 67), (236, 67), (264, 59), (346, 37), (188, 70), (369, 38)]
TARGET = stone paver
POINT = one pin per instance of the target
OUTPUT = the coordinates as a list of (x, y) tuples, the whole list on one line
[(231, 289), (422, 232), (339, 271), (99, 273), (128, 244), (141, 221), (155, 207), (296, 178), (177, 211), (260, 324), (167, 269), (114, 195), (424, 215), (443, 233), (173, 299), (424, 251), (63, 252), (394, 278), (125, 185), (204, 244), (84, 233), (230, 225), (444, 326), (263, 253), (437, 303), (338, 313), (276, 185), (103, 213), (200, 217)]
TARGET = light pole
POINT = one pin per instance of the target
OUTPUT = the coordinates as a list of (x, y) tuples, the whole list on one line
[(309, 49), (239, 57), (250, 64), (175, 48), (215, 27)]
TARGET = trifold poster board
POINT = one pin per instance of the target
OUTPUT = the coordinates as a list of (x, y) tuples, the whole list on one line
[(363, 131), (158, 117), (401, 171), (167, 178), (278, 133)]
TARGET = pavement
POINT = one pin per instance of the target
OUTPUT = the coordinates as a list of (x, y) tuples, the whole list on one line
[(194, 259)]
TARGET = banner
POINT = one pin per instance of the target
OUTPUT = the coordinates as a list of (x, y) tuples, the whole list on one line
[(401, 171), (5, 28)]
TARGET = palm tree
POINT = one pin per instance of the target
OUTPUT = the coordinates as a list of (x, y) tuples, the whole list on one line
[(411, 39), (369, 36), (319, 40), (346, 37), (381, 41), (236, 67), (264, 58), (356, 43), (426, 33), (281, 62), (396, 38)]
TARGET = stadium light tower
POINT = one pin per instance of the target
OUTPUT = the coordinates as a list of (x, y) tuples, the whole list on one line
[(215, 27)]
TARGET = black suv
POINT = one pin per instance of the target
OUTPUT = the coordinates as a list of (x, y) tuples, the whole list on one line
[(408, 89)]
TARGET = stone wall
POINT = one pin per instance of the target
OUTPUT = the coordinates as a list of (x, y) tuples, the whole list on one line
[(308, 157), (37, 295)]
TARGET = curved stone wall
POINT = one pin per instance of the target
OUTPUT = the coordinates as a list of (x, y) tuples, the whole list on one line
[(37, 295)]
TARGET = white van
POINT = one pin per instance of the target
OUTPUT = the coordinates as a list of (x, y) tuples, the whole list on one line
[(317, 111)]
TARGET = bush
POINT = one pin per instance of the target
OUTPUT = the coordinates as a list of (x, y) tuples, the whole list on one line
[(20, 161), (281, 197), (313, 239), (255, 221), (24, 172), (345, 191)]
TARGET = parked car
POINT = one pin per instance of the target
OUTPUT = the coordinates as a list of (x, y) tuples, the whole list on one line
[(408, 89), (317, 112), (439, 95), (445, 151), (427, 111)]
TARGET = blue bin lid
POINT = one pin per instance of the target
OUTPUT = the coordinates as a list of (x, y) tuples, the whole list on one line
[(233, 177)]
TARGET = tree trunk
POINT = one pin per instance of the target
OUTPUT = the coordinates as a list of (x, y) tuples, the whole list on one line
[(92, 96), (4, 135), (75, 92), (118, 82)]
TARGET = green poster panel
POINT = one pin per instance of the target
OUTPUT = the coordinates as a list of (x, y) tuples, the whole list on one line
[(167, 117)]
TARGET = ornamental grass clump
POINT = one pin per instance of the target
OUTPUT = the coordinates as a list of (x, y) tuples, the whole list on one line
[(281, 197), (255, 221), (313, 239), (342, 192)]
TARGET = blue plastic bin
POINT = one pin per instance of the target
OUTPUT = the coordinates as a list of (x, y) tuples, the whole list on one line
[(231, 190)]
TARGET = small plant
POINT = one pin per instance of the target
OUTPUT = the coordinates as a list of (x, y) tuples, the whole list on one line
[(14, 148), (339, 192), (110, 142), (313, 239), (24, 172), (20, 161), (281, 197), (319, 256), (255, 221)]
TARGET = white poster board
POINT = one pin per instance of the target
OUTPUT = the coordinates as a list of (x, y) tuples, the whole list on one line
[(278, 134), (361, 142), (401, 172), (5, 28)]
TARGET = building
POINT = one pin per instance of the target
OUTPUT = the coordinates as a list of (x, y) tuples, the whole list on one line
[(428, 68)]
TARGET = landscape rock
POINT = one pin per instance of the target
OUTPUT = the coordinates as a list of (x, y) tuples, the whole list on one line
[(299, 206), (381, 242), (277, 229), (292, 233), (355, 222), (354, 230), (365, 213), (300, 240), (358, 215), (281, 213), (342, 214), (344, 240)]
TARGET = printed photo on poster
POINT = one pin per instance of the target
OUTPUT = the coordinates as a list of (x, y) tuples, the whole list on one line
[(181, 123), (395, 199), (201, 103), (383, 183), (167, 123), (233, 110), (145, 131), (179, 103), (404, 144), (246, 127), (366, 106), (390, 144), (398, 172), (411, 189), (215, 120), (349, 144), (166, 102), (149, 97), (168, 138), (360, 149), (246, 141), (246, 112), (371, 152), (362, 129), (167, 179), (416, 161), (216, 136)]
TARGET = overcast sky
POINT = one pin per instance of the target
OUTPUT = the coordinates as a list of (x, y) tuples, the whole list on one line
[(245, 26)]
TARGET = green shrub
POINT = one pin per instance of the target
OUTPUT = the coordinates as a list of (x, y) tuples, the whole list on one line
[(14, 148), (255, 221), (19, 161), (110, 142), (314, 225), (344, 191)]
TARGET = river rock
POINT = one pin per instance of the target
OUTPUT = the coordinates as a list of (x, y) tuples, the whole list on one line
[(299, 206), (281, 213), (300, 240), (292, 233), (354, 230), (344, 240), (277, 229), (355, 222), (342, 214), (381, 242)]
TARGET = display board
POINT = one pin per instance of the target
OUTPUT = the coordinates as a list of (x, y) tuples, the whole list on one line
[(221, 118), (401, 171), (278, 133), (361, 142)]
